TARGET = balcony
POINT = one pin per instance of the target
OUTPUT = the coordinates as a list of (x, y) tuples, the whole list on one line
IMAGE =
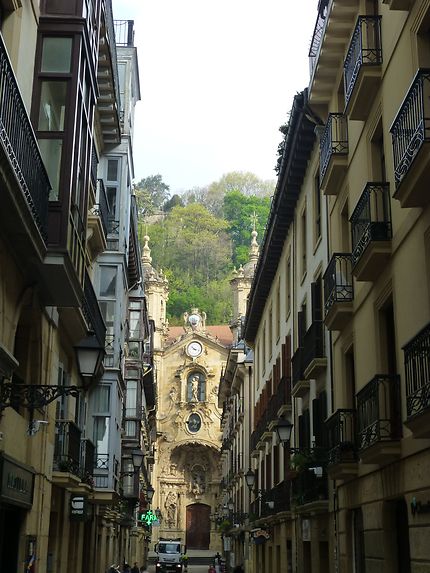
[(87, 461), (410, 134), (342, 454), (371, 232), (25, 188), (280, 402), (362, 67), (379, 420), (398, 4), (98, 221), (334, 153), (310, 492), (314, 358), (338, 291), (417, 372), (67, 454), (333, 27), (87, 317), (300, 385), (109, 101)]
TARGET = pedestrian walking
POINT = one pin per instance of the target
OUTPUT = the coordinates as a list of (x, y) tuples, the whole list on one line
[(238, 569), (135, 568), (211, 569)]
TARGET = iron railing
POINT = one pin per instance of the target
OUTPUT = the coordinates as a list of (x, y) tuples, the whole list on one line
[(87, 459), (318, 34), (378, 411), (341, 431), (94, 163), (67, 447), (101, 209), (417, 371), (307, 487), (371, 219), (338, 283), (92, 313), (411, 128), (334, 140), (19, 144), (365, 49), (124, 32), (259, 429), (110, 32), (313, 343)]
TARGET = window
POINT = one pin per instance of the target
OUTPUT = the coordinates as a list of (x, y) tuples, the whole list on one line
[(56, 55), (107, 308), (288, 287), (51, 151), (52, 106), (101, 399), (101, 434), (270, 331), (303, 241), (317, 209), (108, 281), (131, 402)]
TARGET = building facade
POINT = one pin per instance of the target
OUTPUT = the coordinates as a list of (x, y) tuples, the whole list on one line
[(70, 264)]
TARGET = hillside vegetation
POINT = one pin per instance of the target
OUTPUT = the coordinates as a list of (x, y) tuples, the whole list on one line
[(198, 237)]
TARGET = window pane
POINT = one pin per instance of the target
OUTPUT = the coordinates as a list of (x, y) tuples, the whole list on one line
[(107, 309), (134, 324), (133, 349), (51, 150), (130, 428), (52, 106), (101, 399), (56, 55), (101, 434), (131, 399), (111, 197), (112, 170), (107, 281)]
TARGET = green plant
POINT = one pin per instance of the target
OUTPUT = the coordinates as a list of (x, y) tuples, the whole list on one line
[(299, 462)]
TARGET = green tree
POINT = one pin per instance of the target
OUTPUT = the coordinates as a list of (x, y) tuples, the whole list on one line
[(151, 194), (241, 213)]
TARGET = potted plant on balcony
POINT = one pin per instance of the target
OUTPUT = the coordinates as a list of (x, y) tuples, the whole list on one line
[(298, 463)]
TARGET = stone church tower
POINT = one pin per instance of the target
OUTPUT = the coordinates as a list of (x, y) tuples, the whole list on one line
[(189, 361), (241, 285)]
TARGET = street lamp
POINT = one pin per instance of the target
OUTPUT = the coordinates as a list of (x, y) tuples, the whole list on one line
[(89, 355), (136, 459), (149, 493), (250, 478), (283, 430)]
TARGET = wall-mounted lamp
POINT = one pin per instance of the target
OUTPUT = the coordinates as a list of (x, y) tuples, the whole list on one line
[(149, 493), (89, 355), (136, 459), (283, 430), (250, 478)]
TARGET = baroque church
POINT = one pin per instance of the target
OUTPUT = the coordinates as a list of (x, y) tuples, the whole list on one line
[(189, 362)]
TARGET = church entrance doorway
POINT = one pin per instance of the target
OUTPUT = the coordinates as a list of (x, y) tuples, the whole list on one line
[(198, 526)]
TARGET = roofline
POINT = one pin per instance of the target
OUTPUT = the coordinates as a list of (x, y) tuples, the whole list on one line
[(298, 147)]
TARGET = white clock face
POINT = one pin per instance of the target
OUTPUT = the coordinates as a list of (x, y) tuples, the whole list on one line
[(194, 349)]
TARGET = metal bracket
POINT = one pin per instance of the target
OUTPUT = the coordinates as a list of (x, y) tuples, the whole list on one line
[(33, 396)]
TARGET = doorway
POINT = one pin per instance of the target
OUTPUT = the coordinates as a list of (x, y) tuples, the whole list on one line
[(10, 526), (198, 526)]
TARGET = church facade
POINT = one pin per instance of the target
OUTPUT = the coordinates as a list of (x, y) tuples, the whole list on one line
[(187, 472)]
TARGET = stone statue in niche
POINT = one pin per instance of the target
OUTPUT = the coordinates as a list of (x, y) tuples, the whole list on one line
[(198, 482), (170, 505)]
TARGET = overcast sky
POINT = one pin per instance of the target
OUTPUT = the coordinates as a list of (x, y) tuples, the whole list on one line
[(217, 81)]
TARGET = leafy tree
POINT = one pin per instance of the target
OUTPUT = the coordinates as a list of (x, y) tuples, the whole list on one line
[(151, 194), (175, 201), (242, 213), (245, 182)]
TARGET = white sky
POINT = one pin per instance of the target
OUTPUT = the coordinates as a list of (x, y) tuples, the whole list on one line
[(217, 81)]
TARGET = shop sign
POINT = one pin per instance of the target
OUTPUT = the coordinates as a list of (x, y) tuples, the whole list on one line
[(260, 536), (79, 508), (17, 483)]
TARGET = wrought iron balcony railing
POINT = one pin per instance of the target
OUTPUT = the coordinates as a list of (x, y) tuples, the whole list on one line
[(342, 442), (417, 370), (308, 487), (411, 128), (67, 448), (92, 313), (313, 343), (334, 140), (20, 145), (338, 283), (371, 219), (101, 208), (365, 49), (318, 34), (378, 411)]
